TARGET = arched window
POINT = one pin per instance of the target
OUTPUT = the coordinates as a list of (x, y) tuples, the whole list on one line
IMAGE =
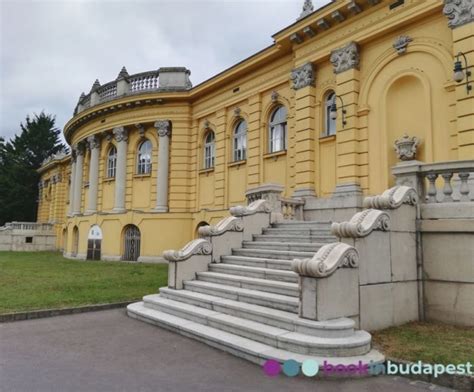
[(329, 123), (111, 162), (144, 158), (209, 150), (278, 129), (240, 141), (132, 240)]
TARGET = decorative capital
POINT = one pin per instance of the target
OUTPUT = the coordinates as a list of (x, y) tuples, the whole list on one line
[(120, 134), (362, 224), (401, 43), (163, 128), (458, 12), (93, 142), (230, 223), (345, 58), (78, 149), (254, 207), (308, 8), (195, 247), (303, 76), (392, 198), (405, 147), (327, 260)]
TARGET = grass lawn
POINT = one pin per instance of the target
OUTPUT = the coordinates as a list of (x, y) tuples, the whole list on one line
[(427, 342), (45, 280)]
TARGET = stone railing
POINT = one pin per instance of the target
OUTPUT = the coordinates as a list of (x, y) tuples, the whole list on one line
[(440, 182), (163, 79), (28, 226), (292, 209)]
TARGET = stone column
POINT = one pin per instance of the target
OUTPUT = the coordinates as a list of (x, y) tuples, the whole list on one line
[(79, 149), (71, 186), (121, 137), (163, 128), (94, 147)]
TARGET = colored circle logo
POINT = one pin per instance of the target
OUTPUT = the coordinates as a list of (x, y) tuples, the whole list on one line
[(291, 368), (310, 367), (272, 368)]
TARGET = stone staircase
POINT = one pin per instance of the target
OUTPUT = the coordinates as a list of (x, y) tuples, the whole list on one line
[(248, 303)]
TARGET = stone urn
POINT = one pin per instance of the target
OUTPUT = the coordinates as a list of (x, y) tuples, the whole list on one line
[(406, 147)]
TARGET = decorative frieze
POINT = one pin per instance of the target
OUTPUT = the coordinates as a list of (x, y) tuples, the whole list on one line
[(401, 43), (406, 147), (163, 128), (345, 58), (303, 76), (458, 12), (120, 134)]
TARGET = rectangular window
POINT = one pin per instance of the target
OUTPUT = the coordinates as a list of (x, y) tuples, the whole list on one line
[(278, 138), (28, 240)]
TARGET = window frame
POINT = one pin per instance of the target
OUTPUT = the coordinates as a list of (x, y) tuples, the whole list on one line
[(329, 124), (209, 150), (144, 167), (239, 141), (111, 167), (278, 130)]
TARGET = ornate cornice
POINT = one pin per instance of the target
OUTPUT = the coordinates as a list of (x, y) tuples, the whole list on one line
[(195, 247), (327, 260), (163, 128), (392, 198), (458, 12), (254, 207), (120, 134), (362, 224), (303, 76), (345, 58), (230, 223)]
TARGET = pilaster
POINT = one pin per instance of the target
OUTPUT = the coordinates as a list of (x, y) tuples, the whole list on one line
[(78, 173), (163, 128), (121, 137), (93, 143), (254, 142)]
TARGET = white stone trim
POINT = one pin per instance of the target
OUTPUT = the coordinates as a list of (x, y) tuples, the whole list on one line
[(199, 246), (392, 198), (362, 224), (254, 207), (231, 223), (327, 260)]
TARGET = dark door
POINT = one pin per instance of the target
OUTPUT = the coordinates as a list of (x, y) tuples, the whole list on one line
[(132, 244), (93, 249)]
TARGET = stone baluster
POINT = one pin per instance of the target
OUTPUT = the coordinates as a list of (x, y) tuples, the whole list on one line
[(71, 185), (464, 189), (79, 151), (94, 147), (447, 189), (163, 128), (121, 137), (432, 187)]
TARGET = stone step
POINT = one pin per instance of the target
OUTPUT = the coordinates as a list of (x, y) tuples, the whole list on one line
[(294, 238), (258, 262), (254, 272), (296, 231), (237, 345), (271, 300), (342, 327), (291, 246), (268, 286), (356, 344), (305, 224), (272, 254)]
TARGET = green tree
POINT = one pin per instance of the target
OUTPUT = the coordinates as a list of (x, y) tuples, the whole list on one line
[(20, 158)]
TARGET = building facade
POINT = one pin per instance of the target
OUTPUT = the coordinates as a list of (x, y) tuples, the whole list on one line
[(315, 116)]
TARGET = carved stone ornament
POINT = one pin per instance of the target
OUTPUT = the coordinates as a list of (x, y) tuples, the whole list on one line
[(327, 260), (254, 207), (362, 224), (459, 12), (405, 147), (231, 223), (163, 128), (120, 134), (93, 142), (195, 247), (401, 43), (303, 76), (392, 198), (141, 129), (275, 96), (79, 149), (345, 58), (237, 112), (207, 124), (308, 8)]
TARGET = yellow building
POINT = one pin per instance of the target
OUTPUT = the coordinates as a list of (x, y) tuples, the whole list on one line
[(316, 113)]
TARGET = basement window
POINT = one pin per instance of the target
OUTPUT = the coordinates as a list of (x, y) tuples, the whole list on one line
[(396, 4), (28, 240)]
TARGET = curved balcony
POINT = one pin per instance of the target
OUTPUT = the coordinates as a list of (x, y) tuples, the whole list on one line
[(164, 79)]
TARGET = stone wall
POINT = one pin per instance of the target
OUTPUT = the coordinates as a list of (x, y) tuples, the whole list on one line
[(27, 237)]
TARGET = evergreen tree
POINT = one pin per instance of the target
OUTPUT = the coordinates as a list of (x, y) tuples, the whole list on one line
[(20, 158)]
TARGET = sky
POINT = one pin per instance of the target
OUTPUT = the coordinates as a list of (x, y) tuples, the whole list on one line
[(51, 51)]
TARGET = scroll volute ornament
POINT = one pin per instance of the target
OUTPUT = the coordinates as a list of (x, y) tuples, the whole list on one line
[(406, 147)]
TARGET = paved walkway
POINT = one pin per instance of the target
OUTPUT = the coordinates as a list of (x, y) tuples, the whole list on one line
[(107, 351)]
